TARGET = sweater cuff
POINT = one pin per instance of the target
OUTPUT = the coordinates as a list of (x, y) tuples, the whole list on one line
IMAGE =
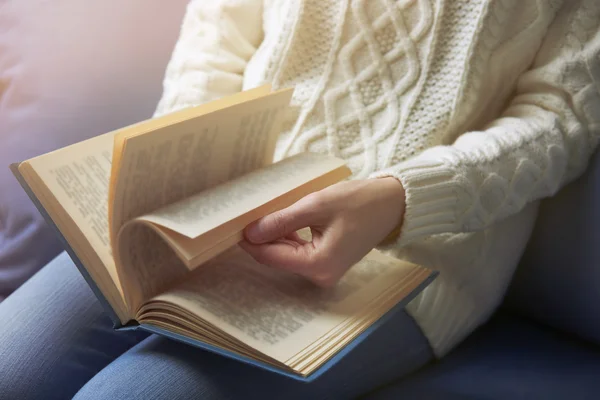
[(433, 201)]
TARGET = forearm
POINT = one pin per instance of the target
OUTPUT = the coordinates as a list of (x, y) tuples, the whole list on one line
[(543, 140)]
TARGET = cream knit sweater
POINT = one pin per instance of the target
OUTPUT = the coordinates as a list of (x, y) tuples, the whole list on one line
[(480, 108)]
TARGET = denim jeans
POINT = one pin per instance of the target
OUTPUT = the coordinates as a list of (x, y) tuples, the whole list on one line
[(56, 343)]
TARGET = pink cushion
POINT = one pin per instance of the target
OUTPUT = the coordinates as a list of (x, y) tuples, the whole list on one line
[(69, 70)]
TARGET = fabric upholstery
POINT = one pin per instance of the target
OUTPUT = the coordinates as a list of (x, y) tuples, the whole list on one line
[(509, 358), (69, 70), (558, 281)]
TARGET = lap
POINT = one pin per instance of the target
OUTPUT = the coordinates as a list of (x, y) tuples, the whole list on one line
[(55, 341), (159, 368), (54, 335)]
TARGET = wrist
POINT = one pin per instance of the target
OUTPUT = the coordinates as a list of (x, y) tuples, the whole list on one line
[(393, 187), (393, 191)]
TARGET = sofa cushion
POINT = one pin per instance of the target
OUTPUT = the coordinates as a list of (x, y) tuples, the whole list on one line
[(558, 281), (69, 70), (509, 358)]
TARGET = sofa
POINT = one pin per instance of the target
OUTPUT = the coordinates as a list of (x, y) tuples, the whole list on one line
[(70, 70), (544, 341)]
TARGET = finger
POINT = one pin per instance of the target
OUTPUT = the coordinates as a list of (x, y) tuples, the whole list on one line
[(283, 255), (295, 237), (291, 257), (284, 222)]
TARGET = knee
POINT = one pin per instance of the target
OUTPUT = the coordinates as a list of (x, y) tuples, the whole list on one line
[(20, 369), (158, 369), (35, 336), (28, 244)]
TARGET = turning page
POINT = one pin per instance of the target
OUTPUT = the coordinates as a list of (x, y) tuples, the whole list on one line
[(169, 164), (216, 217)]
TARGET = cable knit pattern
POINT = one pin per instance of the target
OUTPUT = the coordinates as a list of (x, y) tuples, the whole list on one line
[(480, 108)]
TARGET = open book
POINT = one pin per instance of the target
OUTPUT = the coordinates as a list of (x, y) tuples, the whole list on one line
[(152, 214)]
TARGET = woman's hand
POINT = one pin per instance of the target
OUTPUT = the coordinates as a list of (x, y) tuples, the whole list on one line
[(347, 220)]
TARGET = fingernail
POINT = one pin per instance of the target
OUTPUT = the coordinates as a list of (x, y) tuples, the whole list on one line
[(253, 232)]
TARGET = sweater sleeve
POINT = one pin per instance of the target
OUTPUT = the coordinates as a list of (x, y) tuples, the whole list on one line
[(216, 41), (542, 141)]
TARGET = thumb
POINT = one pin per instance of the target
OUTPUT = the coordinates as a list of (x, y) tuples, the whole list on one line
[(281, 223)]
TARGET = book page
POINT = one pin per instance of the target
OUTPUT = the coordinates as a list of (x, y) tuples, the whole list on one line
[(277, 313), (169, 164), (204, 211), (148, 264), (76, 179), (202, 225), (215, 219), (170, 120)]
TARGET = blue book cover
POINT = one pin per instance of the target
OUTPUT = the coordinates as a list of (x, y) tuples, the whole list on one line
[(197, 343)]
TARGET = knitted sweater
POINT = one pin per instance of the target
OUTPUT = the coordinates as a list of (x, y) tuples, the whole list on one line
[(480, 108)]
